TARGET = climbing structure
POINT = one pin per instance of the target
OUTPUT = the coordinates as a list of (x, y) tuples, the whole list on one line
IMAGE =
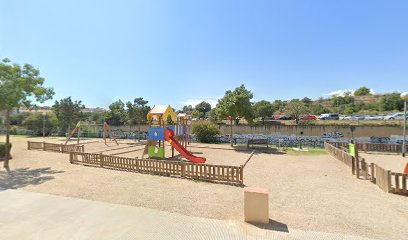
[(164, 126)]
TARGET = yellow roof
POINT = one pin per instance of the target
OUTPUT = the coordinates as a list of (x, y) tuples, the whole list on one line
[(162, 110)]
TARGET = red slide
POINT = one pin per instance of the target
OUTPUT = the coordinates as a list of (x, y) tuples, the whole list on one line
[(169, 136)]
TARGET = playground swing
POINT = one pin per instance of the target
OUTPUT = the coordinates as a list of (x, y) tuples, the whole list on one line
[(106, 131)]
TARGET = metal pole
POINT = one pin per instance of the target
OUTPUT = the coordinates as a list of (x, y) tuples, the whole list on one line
[(404, 129)]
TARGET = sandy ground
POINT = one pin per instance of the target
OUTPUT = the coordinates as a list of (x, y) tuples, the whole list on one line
[(389, 161), (315, 193)]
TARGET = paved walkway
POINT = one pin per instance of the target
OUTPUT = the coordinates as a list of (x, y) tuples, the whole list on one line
[(27, 215)]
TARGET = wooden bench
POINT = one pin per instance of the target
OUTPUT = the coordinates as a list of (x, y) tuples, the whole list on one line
[(257, 142)]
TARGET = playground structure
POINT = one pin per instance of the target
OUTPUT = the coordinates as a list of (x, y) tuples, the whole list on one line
[(106, 133), (164, 126)]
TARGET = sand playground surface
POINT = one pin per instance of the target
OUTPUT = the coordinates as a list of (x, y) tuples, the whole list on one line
[(312, 192)]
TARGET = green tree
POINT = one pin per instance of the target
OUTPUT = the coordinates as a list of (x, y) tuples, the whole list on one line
[(19, 85), (203, 107), (278, 105), (116, 116), (263, 109), (35, 122), (306, 100), (187, 109), (18, 118), (137, 112), (68, 112), (236, 104), (391, 102), (363, 91), (318, 109), (296, 109)]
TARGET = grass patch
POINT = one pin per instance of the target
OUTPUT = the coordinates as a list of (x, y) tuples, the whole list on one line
[(305, 151)]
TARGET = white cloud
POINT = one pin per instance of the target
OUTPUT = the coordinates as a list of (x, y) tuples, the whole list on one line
[(195, 101)]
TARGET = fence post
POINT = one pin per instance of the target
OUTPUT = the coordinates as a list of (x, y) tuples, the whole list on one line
[(83, 148), (101, 160), (43, 146), (372, 173), (388, 182), (28, 145), (357, 161), (241, 175), (62, 148), (182, 169), (71, 156)]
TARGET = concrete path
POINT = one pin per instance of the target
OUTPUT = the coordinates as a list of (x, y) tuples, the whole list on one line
[(27, 215)]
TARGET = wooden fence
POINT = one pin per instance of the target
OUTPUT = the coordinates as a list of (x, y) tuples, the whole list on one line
[(54, 147), (373, 147), (386, 180), (204, 172)]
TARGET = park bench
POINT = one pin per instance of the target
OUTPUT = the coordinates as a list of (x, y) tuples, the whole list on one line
[(252, 142)]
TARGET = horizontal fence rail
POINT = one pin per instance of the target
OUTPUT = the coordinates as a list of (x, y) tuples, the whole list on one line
[(204, 172), (373, 147), (55, 147), (386, 180)]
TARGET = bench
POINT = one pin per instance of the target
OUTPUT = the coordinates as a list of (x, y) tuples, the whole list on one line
[(257, 142)]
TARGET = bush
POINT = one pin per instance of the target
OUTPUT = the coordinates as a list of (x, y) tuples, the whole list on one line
[(3, 149), (205, 131)]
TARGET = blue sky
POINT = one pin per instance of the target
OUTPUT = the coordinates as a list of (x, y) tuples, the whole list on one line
[(178, 52)]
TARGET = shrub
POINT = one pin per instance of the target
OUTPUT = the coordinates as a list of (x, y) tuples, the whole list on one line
[(3, 149), (205, 131)]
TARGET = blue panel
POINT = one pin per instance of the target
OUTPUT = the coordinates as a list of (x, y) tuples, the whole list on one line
[(185, 129), (156, 134), (171, 127)]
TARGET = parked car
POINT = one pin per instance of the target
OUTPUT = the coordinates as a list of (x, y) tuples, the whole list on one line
[(329, 116), (373, 117), (284, 118), (356, 117), (395, 116), (308, 118)]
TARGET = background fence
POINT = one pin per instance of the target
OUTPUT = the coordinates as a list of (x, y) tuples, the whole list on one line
[(373, 147), (387, 180), (54, 147), (204, 172)]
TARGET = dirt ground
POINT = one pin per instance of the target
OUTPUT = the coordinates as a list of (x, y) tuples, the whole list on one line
[(389, 161), (307, 192)]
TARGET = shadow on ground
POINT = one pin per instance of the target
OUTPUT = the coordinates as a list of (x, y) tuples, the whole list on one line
[(273, 225), (22, 177)]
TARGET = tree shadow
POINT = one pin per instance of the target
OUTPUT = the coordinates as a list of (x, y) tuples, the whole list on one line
[(21, 177), (258, 150), (273, 226)]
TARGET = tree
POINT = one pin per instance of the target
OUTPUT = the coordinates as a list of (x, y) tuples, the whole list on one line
[(137, 112), (236, 104), (19, 85), (116, 116), (187, 109), (203, 107), (306, 100), (363, 91), (35, 122), (318, 109), (68, 112), (296, 109), (263, 109), (18, 118), (391, 101)]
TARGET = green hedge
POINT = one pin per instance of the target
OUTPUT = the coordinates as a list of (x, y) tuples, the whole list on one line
[(3, 149), (205, 131)]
